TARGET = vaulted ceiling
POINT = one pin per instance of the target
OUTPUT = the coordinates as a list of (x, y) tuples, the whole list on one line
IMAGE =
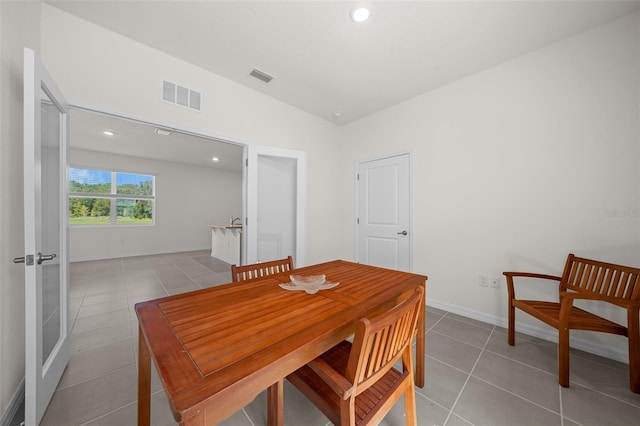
[(326, 64)]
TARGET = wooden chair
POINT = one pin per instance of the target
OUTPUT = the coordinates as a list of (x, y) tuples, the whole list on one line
[(585, 279), (262, 269), (356, 384)]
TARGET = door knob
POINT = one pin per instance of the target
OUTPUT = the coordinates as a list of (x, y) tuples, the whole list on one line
[(403, 233), (44, 257)]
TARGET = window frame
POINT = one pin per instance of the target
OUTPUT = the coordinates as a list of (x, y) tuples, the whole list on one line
[(113, 198)]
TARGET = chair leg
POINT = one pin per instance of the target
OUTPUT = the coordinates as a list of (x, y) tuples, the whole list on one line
[(563, 357), (512, 324), (348, 412), (634, 350), (410, 405), (409, 390)]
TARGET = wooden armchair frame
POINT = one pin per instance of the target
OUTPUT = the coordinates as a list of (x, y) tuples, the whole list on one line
[(260, 270), (585, 279), (356, 384)]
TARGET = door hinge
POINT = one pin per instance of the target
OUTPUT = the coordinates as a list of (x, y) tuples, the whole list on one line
[(358, 176), (357, 221), (246, 162)]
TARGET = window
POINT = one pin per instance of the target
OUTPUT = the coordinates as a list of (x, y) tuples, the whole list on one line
[(101, 197)]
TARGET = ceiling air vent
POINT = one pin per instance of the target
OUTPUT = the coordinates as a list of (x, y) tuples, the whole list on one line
[(180, 95), (260, 75)]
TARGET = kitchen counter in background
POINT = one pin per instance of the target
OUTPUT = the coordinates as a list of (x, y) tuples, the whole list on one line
[(226, 243)]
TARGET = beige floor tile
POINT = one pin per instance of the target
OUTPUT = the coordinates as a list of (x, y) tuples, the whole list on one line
[(482, 403), (454, 420), (107, 319), (102, 308), (212, 279), (179, 282), (586, 407), (103, 284), (111, 296), (298, 410), (469, 321), (147, 287), (76, 292), (96, 362), (184, 288), (530, 383), (98, 338), (466, 332), (432, 318), (427, 413), (529, 350), (603, 376), (128, 415), (157, 294), (453, 352), (91, 399), (443, 383)]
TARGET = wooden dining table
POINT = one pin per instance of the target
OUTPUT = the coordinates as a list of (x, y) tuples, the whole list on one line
[(216, 349)]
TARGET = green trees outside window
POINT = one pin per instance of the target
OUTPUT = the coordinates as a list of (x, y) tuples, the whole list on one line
[(100, 197)]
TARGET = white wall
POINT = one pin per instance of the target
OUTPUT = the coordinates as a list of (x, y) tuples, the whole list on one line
[(98, 68), (188, 199), (19, 27), (516, 166)]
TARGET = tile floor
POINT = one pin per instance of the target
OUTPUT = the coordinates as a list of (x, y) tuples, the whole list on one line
[(473, 376)]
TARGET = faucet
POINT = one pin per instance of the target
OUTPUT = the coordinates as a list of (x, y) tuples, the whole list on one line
[(233, 220)]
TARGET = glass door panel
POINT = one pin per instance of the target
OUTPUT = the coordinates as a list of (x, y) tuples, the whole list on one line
[(50, 199)]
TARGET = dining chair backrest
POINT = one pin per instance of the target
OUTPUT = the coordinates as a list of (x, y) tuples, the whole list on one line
[(356, 383), (380, 342), (260, 270)]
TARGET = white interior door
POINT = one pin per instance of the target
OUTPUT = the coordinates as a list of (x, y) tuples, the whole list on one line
[(45, 232), (383, 235), (275, 208)]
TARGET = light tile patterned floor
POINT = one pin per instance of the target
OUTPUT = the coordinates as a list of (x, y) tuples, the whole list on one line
[(473, 376)]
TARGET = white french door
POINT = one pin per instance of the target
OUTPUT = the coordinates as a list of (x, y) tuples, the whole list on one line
[(383, 235), (275, 207), (45, 237)]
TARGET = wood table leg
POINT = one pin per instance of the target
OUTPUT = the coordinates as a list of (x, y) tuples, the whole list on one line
[(144, 381), (420, 343), (275, 403)]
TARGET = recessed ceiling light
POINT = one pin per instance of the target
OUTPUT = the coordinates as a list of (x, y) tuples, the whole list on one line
[(337, 114), (162, 132), (360, 14), (108, 133), (215, 159)]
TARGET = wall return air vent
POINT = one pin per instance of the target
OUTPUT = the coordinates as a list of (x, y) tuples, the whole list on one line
[(180, 95)]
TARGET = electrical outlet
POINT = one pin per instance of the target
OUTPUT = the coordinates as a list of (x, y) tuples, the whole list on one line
[(483, 280), (495, 282)]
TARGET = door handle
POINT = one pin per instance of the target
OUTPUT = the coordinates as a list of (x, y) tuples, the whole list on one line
[(403, 233), (28, 259), (44, 257)]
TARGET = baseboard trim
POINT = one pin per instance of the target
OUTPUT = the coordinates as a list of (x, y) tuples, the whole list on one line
[(14, 405), (145, 253), (548, 334)]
